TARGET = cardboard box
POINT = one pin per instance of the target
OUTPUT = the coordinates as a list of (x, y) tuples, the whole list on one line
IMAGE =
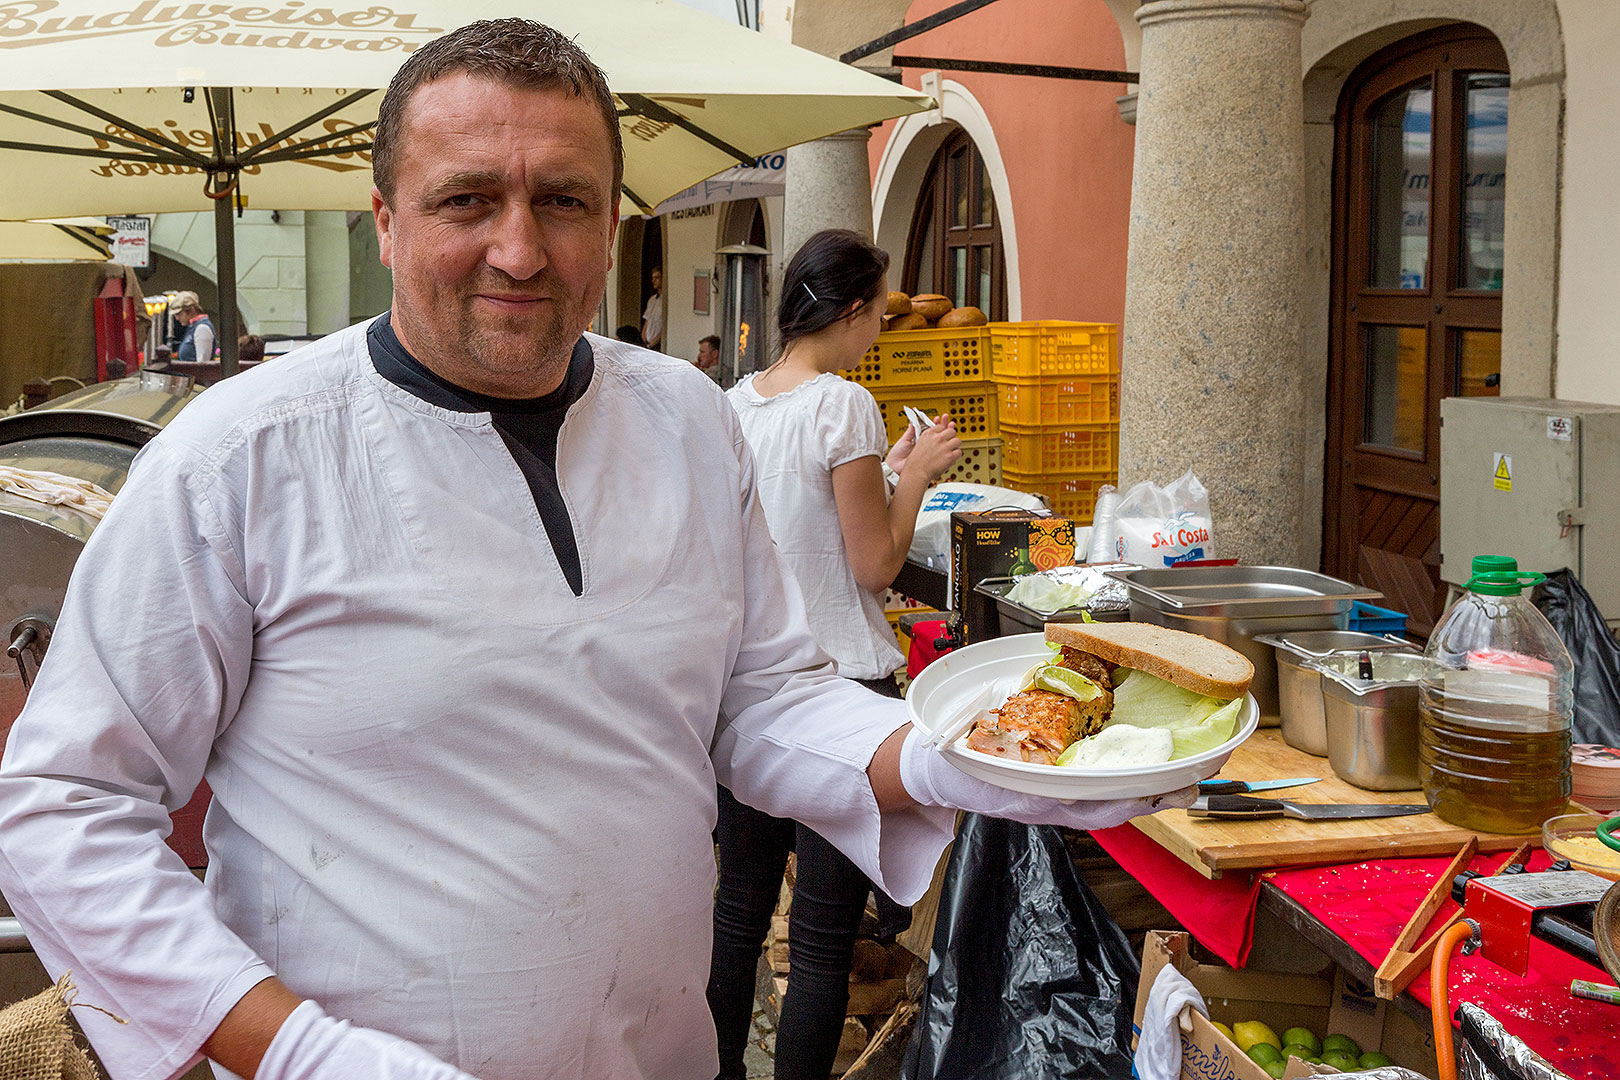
[(998, 543), (1325, 1002)]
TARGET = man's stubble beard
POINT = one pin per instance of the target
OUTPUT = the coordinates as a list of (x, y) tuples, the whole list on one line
[(474, 346)]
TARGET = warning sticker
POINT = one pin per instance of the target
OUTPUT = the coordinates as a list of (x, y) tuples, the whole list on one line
[(1560, 427), (1502, 473)]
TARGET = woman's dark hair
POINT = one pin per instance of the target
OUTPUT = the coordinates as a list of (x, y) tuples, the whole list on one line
[(834, 270)]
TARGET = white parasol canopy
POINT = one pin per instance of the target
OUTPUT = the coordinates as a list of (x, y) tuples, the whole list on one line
[(137, 106), (43, 241)]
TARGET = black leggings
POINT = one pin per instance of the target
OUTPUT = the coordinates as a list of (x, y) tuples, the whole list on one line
[(829, 897)]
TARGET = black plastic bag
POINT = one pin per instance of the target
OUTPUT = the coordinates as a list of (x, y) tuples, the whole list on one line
[(1595, 651), (1028, 977)]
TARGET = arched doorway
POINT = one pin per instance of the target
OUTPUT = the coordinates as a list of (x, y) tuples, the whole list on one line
[(1419, 185)]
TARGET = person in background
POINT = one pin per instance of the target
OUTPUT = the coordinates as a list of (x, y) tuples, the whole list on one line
[(708, 352), (628, 334), (819, 444), (652, 320), (197, 343), (249, 349)]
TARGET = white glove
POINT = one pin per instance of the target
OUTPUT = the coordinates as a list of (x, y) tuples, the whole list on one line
[(312, 1046), (933, 781)]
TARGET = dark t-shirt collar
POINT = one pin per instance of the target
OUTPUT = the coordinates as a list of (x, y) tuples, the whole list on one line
[(394, 363)]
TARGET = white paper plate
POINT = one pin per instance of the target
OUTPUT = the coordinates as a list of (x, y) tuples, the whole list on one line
[(950, 684)]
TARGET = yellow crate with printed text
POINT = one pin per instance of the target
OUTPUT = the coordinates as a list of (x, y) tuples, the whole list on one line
[(1050, 347), (924, 357), (971, 405), (1058, 401), (1087, 449), (1071, 495)]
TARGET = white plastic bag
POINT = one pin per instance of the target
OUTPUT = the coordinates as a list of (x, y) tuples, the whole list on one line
[(1163, 526), (931, 542)]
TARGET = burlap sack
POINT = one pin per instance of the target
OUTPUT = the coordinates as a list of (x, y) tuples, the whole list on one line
[(36, 1042)]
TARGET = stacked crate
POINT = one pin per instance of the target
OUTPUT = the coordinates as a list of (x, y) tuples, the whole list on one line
[(1057, 405), (938, 371)]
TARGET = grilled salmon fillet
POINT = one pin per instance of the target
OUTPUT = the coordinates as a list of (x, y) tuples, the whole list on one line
[(1038, 725)]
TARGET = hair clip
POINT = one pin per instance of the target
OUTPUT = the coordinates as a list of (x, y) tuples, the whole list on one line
[(811, 291)]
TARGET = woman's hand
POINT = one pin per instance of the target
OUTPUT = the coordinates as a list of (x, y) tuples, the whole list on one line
[(937, 449), (901, 450)]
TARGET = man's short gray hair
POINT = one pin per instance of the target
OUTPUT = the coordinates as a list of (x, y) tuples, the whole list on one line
[(515, 52)]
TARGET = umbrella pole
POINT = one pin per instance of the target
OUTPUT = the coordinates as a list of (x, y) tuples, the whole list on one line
[(225, 271)]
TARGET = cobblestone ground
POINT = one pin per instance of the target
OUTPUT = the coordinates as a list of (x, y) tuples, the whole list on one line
[(760, 1056)]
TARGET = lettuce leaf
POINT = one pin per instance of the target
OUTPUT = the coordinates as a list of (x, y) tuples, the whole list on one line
[(1198, 723)]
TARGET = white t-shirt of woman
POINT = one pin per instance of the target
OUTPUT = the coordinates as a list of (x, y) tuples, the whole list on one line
[(798, 438)]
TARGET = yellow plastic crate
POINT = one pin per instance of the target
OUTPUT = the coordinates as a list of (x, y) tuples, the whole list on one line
[(971, 405), (980, 463), (1031, 349), (1063, 401), (1072, 495), (1089, 449), (922, 357)]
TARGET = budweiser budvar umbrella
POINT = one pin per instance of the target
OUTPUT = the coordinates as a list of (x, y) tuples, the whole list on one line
[(151, 106)]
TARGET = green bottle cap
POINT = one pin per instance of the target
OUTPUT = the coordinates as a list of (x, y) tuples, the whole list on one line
[(1496, 584), (1495, 564)]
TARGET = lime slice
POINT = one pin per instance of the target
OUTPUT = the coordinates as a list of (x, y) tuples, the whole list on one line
[(1070, 683)]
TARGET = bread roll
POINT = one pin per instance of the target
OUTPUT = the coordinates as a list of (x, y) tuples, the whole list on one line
[(912, 321), (899, 304), (962, 316), (1192, 662), (931, 305)]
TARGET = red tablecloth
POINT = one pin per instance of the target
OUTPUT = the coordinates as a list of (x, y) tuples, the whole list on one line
[(1367, 904), (1219, 913)]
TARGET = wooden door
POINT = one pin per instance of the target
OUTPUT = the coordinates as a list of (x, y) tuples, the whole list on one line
[(1417, 309)]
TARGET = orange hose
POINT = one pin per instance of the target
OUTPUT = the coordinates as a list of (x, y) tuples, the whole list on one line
[(1440, 997)]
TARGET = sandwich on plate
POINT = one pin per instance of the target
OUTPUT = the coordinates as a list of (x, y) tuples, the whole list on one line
[(1119, 695)]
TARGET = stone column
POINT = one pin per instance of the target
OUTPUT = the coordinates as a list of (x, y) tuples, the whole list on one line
[(829, 186), (1215, 278)]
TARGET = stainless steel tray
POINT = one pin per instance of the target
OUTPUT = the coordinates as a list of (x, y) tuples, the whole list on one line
[(1234, 591), (1313, 644), (1015, 618)]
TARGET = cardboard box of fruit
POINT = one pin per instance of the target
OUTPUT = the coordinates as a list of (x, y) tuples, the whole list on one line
[(1264, 1025)]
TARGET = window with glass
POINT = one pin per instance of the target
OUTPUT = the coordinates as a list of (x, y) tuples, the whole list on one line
[(954, 247)]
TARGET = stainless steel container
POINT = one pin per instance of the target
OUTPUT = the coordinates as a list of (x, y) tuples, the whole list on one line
[(1372, 724), (92, 434), (1299, 688), (1234, 604), (1015, 618)]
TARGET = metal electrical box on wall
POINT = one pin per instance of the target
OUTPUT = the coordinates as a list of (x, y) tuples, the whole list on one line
[(1534, 478)]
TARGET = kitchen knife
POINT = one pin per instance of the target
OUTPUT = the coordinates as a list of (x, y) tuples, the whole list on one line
[(1242, 808), (1239, 787)]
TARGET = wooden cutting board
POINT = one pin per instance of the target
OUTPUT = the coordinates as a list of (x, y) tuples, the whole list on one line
[(1213, 846)]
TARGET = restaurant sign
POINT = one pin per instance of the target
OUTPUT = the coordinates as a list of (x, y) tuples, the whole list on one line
[(131, 241)]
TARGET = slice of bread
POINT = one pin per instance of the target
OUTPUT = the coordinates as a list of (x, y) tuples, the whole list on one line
[(1195, 663)]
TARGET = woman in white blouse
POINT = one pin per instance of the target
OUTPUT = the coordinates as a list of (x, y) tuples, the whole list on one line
[(824, 470)]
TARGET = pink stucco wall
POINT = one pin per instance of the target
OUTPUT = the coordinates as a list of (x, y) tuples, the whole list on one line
[(1067, 152)]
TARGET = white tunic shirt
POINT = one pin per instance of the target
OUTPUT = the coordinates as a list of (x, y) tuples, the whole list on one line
[(798, 438), (452, 800)]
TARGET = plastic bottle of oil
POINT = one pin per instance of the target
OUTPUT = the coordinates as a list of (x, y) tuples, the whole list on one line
[(1496, 703)]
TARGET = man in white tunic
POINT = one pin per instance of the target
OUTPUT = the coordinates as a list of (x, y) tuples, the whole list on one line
[(462, 615)]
